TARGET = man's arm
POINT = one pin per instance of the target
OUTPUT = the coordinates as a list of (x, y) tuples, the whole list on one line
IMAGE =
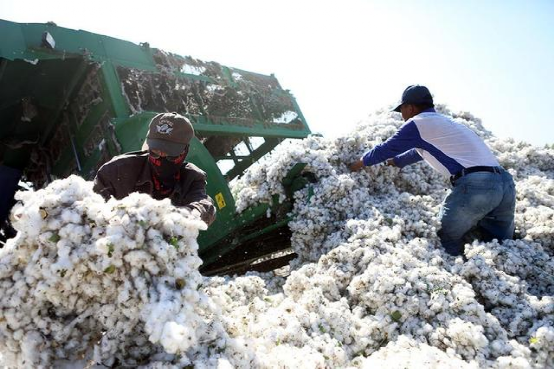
[(407, 158), (197, 199), (398, 146), (405, 139), (102, 184)]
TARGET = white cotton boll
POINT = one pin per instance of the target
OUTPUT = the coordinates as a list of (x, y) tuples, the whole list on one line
[(542, 341), (224, 364), (466, 334), (30, 348), (70, 216), (176, 337), (29, 221), (510, 362), (407, 353)]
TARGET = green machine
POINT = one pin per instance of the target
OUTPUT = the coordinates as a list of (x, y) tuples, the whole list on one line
[(70, 100)]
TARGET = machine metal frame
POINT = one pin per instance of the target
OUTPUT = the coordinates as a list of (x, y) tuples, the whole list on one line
[(70, 100)]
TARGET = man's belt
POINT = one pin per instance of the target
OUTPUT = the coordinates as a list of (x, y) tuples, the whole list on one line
[(465, 171)]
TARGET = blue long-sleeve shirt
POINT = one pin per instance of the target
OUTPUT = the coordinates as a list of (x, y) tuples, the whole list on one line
[(446, 145)]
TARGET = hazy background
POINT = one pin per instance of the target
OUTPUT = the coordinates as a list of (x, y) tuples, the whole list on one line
[(343, 60)]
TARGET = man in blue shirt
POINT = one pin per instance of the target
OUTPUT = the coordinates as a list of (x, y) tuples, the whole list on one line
[(483, 193)]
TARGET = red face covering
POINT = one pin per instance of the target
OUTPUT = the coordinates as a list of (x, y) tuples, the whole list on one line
[(165, 170)]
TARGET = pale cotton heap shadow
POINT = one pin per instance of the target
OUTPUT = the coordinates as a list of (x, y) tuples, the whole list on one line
[(118, 282)]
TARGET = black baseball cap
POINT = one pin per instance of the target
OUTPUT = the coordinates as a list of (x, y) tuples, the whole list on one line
[(415, 94), (170, 133)]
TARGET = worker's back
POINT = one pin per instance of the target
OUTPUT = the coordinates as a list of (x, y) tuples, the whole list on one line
[(449, 146)]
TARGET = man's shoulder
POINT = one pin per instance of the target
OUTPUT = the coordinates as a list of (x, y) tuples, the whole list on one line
[(128, 161), (135, 156), (430, 120), (430, 116), (191, 169)]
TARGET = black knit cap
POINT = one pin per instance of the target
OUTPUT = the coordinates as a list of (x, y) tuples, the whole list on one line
[(170, 133), (417, 95)]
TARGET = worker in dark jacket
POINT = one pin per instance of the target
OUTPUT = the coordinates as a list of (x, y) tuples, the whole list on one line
[(483, 193), (161, 170)]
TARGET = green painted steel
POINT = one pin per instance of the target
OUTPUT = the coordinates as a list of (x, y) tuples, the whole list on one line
[(68, 109)]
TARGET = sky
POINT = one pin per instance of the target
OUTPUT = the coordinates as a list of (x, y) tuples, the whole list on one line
[(343, 60)]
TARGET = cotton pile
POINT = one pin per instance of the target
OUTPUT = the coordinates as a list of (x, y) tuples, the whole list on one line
[(371, 286), (371, 275), (112, 283)]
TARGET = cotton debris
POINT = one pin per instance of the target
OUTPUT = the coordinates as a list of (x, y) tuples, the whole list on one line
[(117, 283)]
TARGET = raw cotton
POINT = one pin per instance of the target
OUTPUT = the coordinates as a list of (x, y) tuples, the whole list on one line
[(371, 286), (371, 270), (115, 282)]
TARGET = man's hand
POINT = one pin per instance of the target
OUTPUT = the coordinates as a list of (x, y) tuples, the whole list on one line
[(356, 166), (390, 163)]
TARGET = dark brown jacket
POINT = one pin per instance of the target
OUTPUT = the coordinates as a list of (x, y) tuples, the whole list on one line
[(130, 172)]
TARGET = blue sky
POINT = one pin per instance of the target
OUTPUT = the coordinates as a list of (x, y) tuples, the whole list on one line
[(343, 60)]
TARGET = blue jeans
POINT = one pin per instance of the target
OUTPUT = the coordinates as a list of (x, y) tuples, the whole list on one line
[(480, 201)]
